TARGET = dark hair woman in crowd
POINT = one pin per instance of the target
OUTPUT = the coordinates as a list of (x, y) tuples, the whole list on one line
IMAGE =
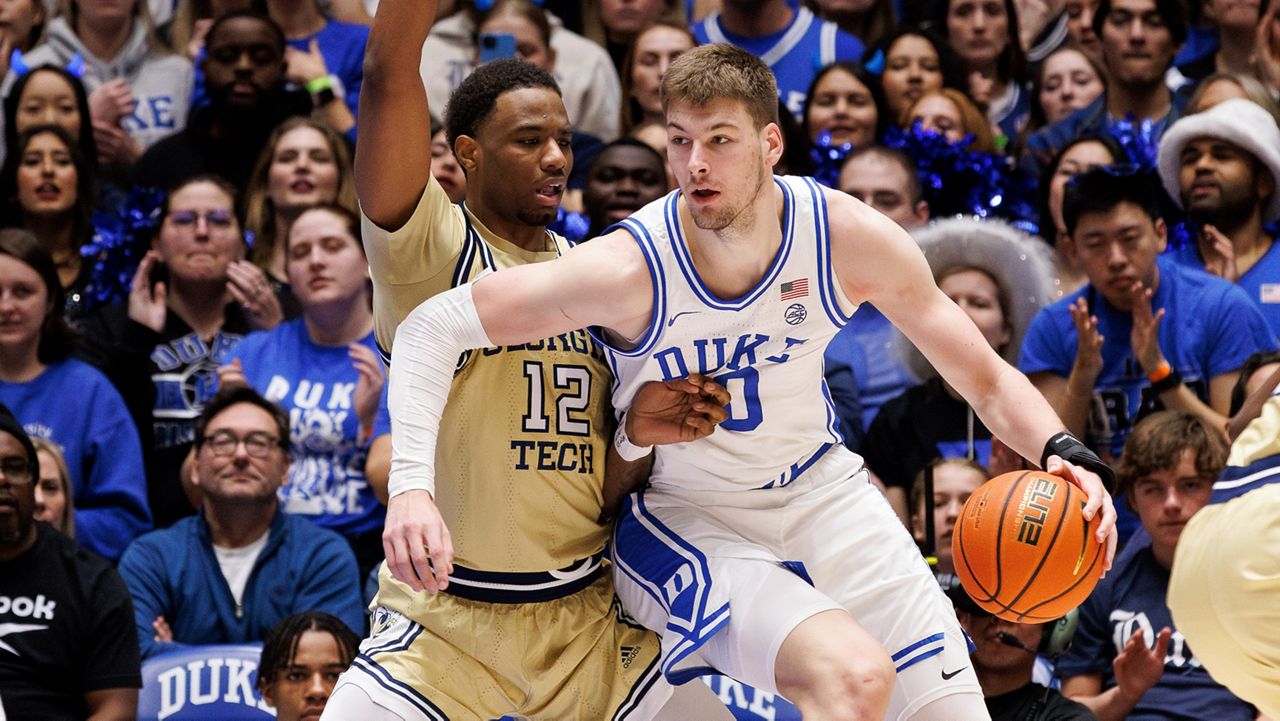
[(844, 100), (46, 186), (49, 95), (910, 62), (1066, 81), (68, 401), (867, 20), (984, 33)]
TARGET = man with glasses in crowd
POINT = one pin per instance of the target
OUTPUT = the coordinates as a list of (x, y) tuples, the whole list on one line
[(230, 573), (66, 651)]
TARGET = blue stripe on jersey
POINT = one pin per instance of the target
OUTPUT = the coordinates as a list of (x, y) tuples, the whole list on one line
[(659, 279), (675, 574), (798, 468), (833, 419), (676, 236), (399, 688), (826, 278), (1236, 481), (919, 651)]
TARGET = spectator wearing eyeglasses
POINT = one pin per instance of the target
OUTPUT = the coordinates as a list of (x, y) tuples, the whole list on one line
[(192, 299), (232, 572), (68, 652)]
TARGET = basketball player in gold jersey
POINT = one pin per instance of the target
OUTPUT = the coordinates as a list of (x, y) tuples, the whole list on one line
[(528, 625)]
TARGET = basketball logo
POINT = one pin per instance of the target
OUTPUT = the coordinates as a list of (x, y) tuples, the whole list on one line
[(795, 314)]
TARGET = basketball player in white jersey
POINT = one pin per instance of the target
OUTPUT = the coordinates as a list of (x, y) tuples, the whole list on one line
[(762, 548)]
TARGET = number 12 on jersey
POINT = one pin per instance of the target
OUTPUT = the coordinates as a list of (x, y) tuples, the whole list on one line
[(574, 384)]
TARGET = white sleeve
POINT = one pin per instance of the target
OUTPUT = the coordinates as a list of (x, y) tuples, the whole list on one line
[(423, 359)]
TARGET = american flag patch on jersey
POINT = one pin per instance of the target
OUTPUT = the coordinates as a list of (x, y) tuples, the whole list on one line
[(795, 289)]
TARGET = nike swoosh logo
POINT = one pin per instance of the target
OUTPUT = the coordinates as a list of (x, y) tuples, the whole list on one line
[(672, 321), (948, 676)]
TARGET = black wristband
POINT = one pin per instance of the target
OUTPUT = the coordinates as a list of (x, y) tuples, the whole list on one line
[(1168, 383), (1069, 448)]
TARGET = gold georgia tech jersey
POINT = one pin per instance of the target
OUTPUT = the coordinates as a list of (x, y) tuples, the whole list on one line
[(520, 460)]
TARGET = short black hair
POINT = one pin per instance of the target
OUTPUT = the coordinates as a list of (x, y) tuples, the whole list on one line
[(628, 142), (472, 101), (1103, 189), (1173, 12), (263, 18), (281, 644), (233, 395)]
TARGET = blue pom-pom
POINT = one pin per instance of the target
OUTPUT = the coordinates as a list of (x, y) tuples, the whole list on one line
[(828, 159), (957, 181), (121, 237)]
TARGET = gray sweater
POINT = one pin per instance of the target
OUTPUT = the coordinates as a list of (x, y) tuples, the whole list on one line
[(161, 81)]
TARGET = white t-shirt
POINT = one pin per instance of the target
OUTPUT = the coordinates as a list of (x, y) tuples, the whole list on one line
[(237, 564)]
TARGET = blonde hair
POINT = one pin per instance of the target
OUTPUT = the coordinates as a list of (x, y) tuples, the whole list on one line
[(709, 73), (1253, 89), (260, 212), (66, 524)]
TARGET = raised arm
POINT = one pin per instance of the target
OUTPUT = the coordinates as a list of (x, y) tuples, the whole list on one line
[(877, 261), (393, 157)]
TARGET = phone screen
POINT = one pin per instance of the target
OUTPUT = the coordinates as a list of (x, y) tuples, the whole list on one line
[(497, 46)]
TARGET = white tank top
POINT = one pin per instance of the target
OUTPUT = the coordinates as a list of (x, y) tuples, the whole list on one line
[(766, 347)]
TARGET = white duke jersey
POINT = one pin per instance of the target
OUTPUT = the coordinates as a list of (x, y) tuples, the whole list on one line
[(765, 347)]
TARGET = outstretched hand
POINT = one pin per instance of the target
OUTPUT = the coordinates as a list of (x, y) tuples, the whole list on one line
[(676, 411)]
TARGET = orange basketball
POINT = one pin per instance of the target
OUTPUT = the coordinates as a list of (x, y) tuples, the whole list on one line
[(1022, 549)]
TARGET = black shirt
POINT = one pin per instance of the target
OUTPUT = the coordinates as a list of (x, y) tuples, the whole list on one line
[(66, 628), (924, 423), (1034, 702)]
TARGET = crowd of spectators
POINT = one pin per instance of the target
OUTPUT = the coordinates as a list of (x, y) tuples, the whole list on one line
[(186, 335)]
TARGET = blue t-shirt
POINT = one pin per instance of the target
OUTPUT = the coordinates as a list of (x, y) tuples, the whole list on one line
[(1261, 282), (1132, 598), (342, 46), (74, 405), (795, 54), (1209, 328), (316, 385)]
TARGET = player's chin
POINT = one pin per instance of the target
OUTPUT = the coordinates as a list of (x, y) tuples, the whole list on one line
[(538, 215)]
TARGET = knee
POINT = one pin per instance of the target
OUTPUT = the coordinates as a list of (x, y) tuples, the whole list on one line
[(840, 686)]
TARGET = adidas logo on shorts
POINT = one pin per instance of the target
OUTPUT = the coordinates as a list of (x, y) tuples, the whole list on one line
[(628, 654)]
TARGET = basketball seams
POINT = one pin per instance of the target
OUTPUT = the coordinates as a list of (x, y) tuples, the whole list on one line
[(1044, 557), (1087, 575), (1004, 507)]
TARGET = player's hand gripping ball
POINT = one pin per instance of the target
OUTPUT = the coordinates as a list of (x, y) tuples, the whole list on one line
[(1023, 550)]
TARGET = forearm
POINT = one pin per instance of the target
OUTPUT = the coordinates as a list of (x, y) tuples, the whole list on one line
[(1073, 401), (621, 478), (426, 350), (1018, 414), (1181, 398)]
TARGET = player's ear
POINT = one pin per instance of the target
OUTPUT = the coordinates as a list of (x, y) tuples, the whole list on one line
[(772, 144), (467, 150)]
